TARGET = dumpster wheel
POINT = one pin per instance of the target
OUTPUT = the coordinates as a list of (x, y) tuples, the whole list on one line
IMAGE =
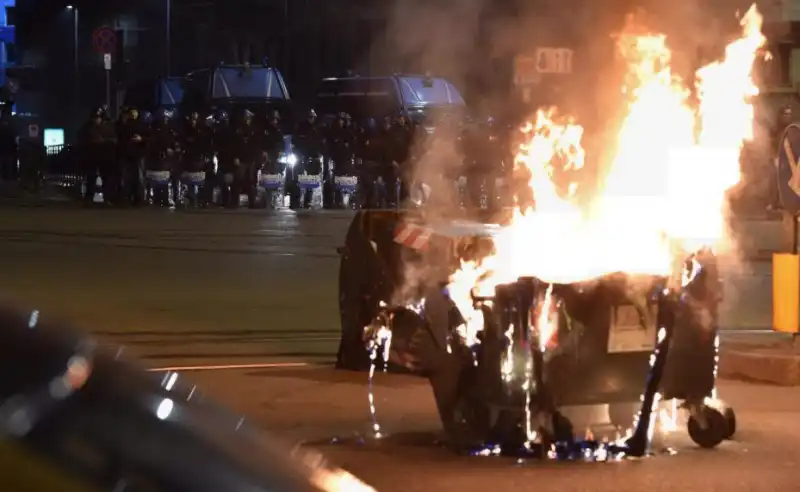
[(730, 419), (708, 427)]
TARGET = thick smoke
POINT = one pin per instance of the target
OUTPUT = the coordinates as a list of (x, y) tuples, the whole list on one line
[(440, 38), (470, 41)]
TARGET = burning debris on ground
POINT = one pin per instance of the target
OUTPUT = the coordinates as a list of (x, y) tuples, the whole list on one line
[(522, 331)]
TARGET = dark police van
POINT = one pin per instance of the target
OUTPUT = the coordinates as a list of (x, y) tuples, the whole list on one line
[(234, 88), (418, 97)]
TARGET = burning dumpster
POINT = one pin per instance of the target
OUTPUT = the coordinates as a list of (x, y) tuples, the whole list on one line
[(587, 307)]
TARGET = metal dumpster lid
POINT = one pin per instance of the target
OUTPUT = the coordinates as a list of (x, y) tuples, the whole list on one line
[(465, 228)]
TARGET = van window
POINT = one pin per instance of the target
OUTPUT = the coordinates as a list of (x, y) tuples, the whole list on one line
[(170, 92), (436, 92), (361, 98), (255, 82)]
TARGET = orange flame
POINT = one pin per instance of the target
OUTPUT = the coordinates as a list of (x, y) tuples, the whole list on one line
[(664, 194)]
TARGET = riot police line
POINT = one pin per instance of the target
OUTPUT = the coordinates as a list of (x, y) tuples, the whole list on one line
[(225, 160)]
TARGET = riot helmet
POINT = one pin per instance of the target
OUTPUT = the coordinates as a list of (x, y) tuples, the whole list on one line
[(221, 117), (163, 115)]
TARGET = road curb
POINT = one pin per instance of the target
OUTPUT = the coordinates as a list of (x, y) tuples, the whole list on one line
[(782, 369)]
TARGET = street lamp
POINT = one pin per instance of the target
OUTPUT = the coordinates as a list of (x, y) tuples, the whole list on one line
[(169, 37), (75, 69), (74, 11)]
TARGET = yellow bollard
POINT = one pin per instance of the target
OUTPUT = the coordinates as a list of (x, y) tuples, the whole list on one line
[(786, 292)]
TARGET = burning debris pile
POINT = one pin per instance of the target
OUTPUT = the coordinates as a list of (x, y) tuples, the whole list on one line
[(643, 235)]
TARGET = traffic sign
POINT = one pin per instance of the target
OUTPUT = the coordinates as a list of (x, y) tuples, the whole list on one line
[(107, 61), (33, 130), (788, 169), (554, 60), (104, 40)]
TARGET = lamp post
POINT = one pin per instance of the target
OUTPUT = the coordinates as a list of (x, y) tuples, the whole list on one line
[(74, 11), (169, 38), (75, 67)]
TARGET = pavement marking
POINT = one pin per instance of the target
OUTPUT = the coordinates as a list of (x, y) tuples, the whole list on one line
[(223, 367)]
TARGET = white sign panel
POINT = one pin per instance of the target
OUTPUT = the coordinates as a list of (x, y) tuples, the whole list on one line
[(554, 60), (626, 333), (53, 136), (107, 61)]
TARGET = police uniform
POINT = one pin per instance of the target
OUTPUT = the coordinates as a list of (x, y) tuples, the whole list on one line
[(96, 144), (132, 140), (340, 143), (162, 157), (195, 145), (245, 148)]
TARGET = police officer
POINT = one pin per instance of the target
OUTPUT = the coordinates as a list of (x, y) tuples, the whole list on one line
[(222, 158), (308, 142), (402, 136), (245, 150), (273, 145), (132, 140), (195, 142), (308, 139), (387, 168), (340, 141), (482, 157), (368, 153), (163, 157), (96, 143)]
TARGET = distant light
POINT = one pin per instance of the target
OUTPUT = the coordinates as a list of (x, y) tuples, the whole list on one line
[(70, 7)]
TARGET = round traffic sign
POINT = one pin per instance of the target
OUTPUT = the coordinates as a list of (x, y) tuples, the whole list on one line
[(104, 40), (788, 169)]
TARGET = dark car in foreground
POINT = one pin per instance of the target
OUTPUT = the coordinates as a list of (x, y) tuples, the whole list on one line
[(75, 417)]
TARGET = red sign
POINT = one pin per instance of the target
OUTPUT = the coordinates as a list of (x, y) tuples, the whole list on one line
[(104, 40)]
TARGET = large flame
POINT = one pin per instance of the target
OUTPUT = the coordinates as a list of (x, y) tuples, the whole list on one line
[(676, 155)]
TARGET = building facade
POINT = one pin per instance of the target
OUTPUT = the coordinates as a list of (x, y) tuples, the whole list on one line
[(7, 39)]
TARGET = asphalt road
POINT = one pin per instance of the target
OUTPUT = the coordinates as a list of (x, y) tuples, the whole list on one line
[(329, 410), (216, 287), (181, 287), (233, 286)]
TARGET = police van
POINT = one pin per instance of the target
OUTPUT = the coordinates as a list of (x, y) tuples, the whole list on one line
[(234, 88), (418, 97)]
